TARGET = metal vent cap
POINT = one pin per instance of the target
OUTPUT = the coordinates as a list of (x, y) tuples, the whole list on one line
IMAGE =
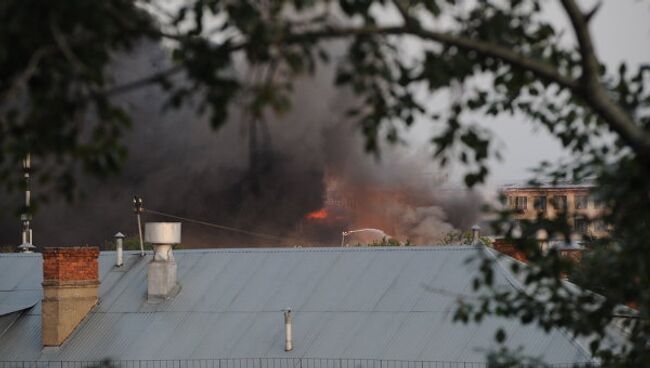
[(162, 232)]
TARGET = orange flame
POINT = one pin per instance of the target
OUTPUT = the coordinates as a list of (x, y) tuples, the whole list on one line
[(317, 215)]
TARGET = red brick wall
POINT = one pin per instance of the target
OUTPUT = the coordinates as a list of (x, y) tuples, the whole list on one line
[(70, 264)]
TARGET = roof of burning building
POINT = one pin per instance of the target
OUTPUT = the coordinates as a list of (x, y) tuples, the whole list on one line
[(375, 303)]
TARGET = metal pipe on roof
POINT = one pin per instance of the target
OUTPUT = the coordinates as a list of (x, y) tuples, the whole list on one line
[(476, 234), (288, 322), (119, 250)]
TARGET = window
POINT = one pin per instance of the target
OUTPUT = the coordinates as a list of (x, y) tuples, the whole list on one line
[(581, 225), (521, 203), (598, 203), (516, 227), (582, 201), (540, 203), (559, 202), (600, 225)]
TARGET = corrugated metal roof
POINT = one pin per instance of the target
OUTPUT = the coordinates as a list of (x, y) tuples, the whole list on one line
[(375, 303)]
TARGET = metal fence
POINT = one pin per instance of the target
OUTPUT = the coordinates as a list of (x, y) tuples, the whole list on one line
[(270, 363)]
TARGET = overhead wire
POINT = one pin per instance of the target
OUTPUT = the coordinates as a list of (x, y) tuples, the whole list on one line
[(221, 227)]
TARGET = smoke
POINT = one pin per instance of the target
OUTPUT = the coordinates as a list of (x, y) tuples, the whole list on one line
[(262, 176), (401, 194)]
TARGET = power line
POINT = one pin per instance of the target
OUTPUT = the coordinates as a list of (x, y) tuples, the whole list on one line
[(221, 227)]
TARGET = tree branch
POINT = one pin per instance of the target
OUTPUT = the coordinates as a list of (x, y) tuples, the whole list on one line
[(593, 92), (590, 64), (593, 11), (587, 87), (143, 82), (156, 77), (409, 21), (32, 67), (64, 47), (542, 70)]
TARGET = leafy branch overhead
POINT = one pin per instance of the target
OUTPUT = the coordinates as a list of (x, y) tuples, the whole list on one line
[(58, 100), (62, 71)]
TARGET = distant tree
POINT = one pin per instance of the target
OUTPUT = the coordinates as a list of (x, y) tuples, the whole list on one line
[(389, 242), (457, 237), (495, 57), (7, 248)]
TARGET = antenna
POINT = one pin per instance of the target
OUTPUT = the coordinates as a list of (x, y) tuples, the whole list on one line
[(137, 208), (26, 216)]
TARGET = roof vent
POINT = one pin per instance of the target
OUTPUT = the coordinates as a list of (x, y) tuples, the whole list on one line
[(161, 276), (288, 338), (119, 249), (476, 235)]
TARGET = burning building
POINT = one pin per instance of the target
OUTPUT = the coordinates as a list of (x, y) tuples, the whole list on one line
[(302, 176), (414, 212)]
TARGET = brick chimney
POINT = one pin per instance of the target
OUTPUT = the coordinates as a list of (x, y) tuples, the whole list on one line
[(70, 283)]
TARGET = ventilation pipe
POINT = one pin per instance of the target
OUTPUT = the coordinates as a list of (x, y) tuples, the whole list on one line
[(119, 250), (161, 276), (288, 338), (476, 235)]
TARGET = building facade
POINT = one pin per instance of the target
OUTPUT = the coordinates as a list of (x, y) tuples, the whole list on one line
[(577, 201)]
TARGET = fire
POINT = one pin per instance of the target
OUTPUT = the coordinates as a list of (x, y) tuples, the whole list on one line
[(318, 215)]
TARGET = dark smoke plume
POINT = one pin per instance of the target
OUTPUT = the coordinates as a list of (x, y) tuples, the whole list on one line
[(263, 176)]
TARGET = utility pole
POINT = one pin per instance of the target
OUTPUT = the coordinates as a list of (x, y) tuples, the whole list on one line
[(26, 216), (138, 209)]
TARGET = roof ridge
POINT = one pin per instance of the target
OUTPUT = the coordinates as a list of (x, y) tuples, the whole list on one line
[(425, 248), (417, 248)]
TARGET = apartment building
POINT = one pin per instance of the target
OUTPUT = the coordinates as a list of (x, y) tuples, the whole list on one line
[(548, 200)]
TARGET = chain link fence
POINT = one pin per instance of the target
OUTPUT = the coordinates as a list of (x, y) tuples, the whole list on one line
[(268, 363)]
